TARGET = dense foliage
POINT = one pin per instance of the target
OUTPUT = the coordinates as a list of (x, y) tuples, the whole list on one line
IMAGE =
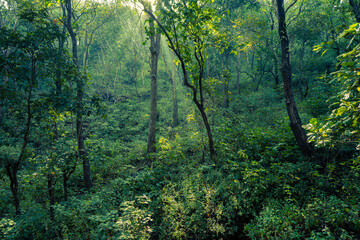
[(81, 70)]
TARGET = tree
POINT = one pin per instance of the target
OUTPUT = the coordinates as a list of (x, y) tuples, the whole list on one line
[(341, 127), (68, 13), (30, 63), (189, 28), (295, 121), (356, 10), (155, 39)]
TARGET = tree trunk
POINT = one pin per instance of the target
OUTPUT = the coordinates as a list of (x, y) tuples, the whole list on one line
[(154, 51), (295, 121), (79, 100), (355, 10), (199, 104), (14, 186), (13, 168), (175, 105)]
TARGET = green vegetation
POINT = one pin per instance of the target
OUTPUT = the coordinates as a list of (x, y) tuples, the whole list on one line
[(240, 122)]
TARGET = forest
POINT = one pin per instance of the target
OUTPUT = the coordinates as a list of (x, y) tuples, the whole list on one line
[(179, 119)]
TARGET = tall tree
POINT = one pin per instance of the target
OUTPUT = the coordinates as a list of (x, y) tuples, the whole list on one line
[(155, 38), (295, 120), (31, 61), (189, 27), (80, 83)]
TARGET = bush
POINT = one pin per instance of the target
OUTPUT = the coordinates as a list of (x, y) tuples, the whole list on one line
[(328, 218)]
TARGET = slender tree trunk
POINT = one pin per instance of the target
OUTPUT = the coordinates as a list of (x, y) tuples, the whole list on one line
[(13, 168), (356, 10), (209, 133), (199, 103), (295, 121), (80, 93), (175, 105), (154, 50), (14, 185)]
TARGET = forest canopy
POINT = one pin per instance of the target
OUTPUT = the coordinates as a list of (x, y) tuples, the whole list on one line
[(179, 119)]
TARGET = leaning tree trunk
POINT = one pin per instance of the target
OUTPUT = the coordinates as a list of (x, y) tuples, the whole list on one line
[(79, 100), (154, 51), (295, 121)]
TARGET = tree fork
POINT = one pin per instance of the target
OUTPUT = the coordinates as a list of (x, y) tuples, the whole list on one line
[(198, 104), (68, 13)]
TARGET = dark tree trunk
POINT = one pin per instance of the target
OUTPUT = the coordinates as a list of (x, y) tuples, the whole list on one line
[(11, 171), (356, 10), (12, 168), (79, 100), (295, 121), (154, 50)]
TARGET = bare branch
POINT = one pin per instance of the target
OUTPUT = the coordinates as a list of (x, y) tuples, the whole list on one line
[(292, 4)]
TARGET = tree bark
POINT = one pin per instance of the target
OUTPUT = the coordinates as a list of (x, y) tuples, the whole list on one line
[(79, 100), (154, 51), (198, 102), (14, 185), (295, 121), (356, 10)]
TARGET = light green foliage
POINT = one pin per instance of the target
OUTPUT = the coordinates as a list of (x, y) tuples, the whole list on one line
[(261, 187), (6, 225), (197, 208), (341, 126), (134, 221), (328, 218)]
